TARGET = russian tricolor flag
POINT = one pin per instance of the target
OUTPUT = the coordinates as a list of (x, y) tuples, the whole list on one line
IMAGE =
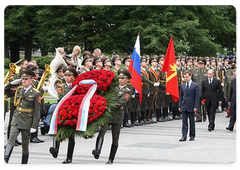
[(135, 69)]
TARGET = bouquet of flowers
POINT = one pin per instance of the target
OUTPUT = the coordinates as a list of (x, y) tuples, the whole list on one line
[(100, 108)]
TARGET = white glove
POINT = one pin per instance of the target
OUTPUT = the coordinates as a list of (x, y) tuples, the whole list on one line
[(218, 78), (156, 84), (45, 87), (222, 84), (148, 94), (32, 130), (15, 82), (182, 79), (133, 96)]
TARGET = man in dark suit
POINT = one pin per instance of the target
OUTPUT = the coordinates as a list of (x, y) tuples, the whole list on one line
[(189, 100), (232, 103), (212, 92)]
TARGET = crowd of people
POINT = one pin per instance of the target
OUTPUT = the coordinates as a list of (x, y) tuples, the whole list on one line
[(157, 106)]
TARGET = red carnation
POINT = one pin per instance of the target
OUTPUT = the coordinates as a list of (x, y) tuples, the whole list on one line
[(228, 112), (203, 101)]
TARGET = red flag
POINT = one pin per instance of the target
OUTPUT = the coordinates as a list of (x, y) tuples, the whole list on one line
[(170, 67)]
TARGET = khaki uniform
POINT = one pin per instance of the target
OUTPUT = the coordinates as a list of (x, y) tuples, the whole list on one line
[(26, 115), (198, 76)]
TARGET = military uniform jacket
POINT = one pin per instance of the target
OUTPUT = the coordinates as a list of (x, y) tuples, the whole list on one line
[(115, 70), (62, 90), (198, 76), (218, 74), (162, 79), (58, 82), (153, 77), (145, 81), (27, 114), (124, 94), (227, 82), (84, 70)]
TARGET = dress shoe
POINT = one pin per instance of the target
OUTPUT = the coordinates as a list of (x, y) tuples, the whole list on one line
[(53, 151), (109, 162), (228, 128), (34, 140), (67, 161), (39, 139), (191, 139), (127, 125), (18, 142), (209, 129), (15, 144), (199, 120), (182, 139)]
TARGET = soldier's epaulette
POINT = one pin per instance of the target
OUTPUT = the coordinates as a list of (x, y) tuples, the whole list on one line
[(127, 89), (36, 90), (19, 87)]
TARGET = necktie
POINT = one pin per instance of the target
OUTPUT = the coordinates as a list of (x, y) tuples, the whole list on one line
[(210, 81), (24, 90), (187, 88)]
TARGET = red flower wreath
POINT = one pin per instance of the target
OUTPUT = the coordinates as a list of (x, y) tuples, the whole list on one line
[(103, 79), (68, 113)]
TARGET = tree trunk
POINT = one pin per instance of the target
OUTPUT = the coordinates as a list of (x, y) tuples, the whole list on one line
[(229, 44), (28, 47), (6, 51), (14, 50)]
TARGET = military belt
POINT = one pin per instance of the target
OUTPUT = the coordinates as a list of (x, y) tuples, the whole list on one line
[(121, 108), (144, 83), (24, 110)]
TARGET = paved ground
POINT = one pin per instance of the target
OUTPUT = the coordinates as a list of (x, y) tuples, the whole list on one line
[(149, 144)]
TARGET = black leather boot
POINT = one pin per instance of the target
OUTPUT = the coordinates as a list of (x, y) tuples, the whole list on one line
[(96, 152), (55, 149), (8, 152), (36, 137), (112, 154), (25, 158), (71, 144)]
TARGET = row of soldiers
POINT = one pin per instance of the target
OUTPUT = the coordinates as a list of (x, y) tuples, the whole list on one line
[(153, 86)]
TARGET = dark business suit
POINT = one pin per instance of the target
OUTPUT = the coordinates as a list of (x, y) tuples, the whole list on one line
[(232, 99), (187, 102), (212, 93)]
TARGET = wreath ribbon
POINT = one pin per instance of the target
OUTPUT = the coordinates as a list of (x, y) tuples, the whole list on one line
[(83, 109)]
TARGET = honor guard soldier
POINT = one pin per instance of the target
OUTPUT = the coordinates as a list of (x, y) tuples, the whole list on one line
[(124, 94), (218, 75), (87, 62), (27, 114), (106, 63), (97, 63), (145, 89), (129, 118), (227, 82), (116, 62), (189, 66), (197, 76), (153, 77), (69, 75), (175, 111), (34, 136)]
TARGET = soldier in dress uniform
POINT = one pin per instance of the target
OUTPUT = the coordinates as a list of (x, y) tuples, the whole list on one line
[(106, 63), (229, 75), (175, 111), (34, 136), (218, 75), (116, 62), (27, 114), (87, 62), (69, 75), (153, 77), (97, 63), (197, 76), (124, 94), (145, 89), (129, 119), (188, 66)]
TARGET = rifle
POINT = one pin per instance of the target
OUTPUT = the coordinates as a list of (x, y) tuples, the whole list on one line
[(155, 93)]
